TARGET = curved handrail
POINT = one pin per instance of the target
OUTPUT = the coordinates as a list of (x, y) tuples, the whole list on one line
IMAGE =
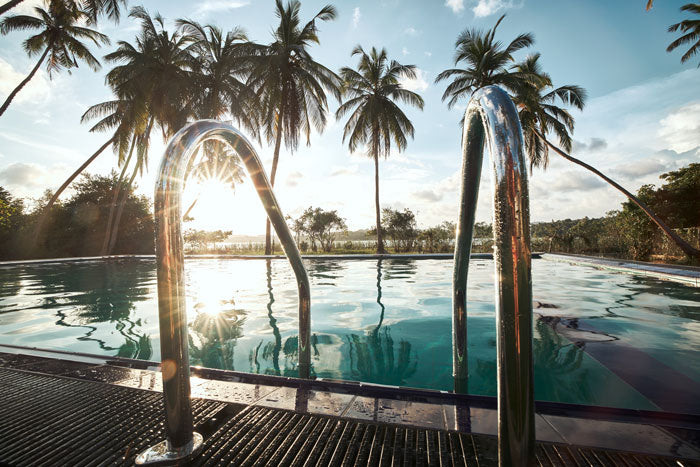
[(492, 118), (181, 441)]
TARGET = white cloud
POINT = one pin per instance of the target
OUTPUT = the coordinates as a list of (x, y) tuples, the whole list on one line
[(455, 5), (643, 168), (209, 6), (405, 51), (36, 91), (411, 31), (681, 128), (356, 15), (345, 171), (489, 7), (576, 180), (428, 195), (294, 178), (29, 179), (419, 83), (428, 54)]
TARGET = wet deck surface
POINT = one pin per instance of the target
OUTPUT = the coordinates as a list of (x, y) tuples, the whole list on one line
[(56, 412)]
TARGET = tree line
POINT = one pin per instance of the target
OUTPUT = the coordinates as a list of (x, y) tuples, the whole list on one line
[(77, 226), (167, 77)]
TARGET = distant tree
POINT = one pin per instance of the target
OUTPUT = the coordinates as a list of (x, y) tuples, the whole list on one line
[(482, 230), (319, 225), (437, 239), (636, 227), (59, 39), (690, 28), (678, 199), (400, 228), (203, 239), (11, 220), (77, 227)]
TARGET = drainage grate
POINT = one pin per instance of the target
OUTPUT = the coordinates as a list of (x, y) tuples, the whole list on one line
[(47, 420)]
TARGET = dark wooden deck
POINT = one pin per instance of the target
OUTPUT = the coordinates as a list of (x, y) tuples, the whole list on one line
[(55, 420)]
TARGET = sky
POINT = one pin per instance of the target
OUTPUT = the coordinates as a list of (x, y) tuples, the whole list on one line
[(642, 117)]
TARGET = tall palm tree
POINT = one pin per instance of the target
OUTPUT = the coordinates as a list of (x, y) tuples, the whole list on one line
[(372, 92), (154, 72), (59, 39), (486, 63), (218, 70), (690, 28), (539, 116), (291, 87)]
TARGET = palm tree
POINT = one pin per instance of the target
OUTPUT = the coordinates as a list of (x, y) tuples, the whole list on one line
[(539, 116), (538, 112), (486, 63), (372, 91), (218, 70), (154, 72), (691, 33), (93, 8), (59, 40), (290, 86)]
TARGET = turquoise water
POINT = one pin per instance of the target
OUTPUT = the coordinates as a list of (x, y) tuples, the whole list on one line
[(386, 322)]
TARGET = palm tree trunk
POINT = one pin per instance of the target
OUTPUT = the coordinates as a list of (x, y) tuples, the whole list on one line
[(9, 5), (139, 161), (380, 239), (115, 228), (61, 189), (190, 208), (273, 172), (682, 244), (115, 197), (24, 81)]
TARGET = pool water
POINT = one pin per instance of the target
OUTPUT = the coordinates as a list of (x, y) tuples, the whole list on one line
[(386, 322)]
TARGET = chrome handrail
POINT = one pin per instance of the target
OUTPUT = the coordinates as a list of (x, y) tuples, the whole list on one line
[(492, 118), (181, 441)]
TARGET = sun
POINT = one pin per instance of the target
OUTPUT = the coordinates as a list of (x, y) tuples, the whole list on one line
[(218, 206)]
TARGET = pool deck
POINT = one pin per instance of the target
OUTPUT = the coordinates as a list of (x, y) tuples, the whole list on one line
[(688, 275), (105, 410)]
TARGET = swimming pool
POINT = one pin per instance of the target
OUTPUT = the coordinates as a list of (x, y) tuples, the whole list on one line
[(601, 338)]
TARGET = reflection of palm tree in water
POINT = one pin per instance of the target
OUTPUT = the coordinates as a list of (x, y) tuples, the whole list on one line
[(104, 298), (374, 359), (560, 359), (271, 350), (217, 335)]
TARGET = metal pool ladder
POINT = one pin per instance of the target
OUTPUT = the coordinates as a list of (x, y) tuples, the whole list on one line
[(492, 119), (181, 440)]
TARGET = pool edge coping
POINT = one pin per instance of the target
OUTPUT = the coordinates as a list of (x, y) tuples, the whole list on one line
[(687, 275)]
